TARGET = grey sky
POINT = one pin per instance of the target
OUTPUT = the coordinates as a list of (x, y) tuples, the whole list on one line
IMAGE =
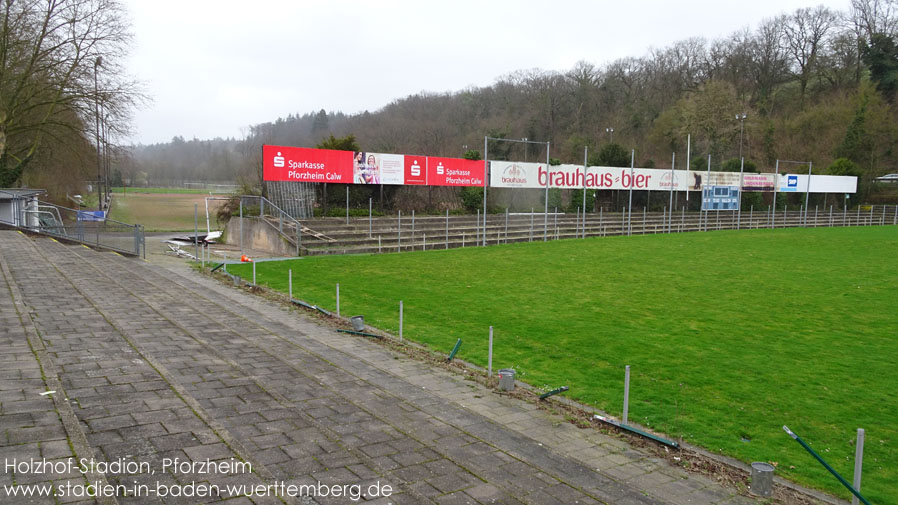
[(212, 68)]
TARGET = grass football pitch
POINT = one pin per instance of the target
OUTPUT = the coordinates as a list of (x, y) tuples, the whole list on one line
[(730, 335)]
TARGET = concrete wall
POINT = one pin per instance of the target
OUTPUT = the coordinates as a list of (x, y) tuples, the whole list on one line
[(258, 236)]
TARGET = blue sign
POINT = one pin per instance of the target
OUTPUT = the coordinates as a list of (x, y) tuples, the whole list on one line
[(91, 215), (720, 198)]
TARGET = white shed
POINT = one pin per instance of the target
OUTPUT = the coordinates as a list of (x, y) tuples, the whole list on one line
[(18, 206)]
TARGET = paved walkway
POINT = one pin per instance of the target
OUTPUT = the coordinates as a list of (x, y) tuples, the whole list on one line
[(186, 383)]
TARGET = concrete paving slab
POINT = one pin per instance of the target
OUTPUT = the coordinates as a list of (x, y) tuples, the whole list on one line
[(205, 384)]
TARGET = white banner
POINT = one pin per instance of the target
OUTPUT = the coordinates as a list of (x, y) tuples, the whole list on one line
[(798, 183), (513, 174)]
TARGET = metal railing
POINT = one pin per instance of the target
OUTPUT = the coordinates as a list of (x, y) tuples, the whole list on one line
[(260, 207), (86, 228)]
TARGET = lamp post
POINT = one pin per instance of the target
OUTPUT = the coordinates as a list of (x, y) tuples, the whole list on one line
[(610, 132), (741, 119), (97, 63)]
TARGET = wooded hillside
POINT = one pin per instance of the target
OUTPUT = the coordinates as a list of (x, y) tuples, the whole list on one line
[(813, 85)]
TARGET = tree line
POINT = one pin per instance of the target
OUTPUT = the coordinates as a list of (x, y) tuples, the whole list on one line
[(815, 85), (812, 85), (65, 101)]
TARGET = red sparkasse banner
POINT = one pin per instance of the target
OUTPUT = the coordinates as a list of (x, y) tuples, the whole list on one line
[(301, 164), (415, 169), (454, 172)]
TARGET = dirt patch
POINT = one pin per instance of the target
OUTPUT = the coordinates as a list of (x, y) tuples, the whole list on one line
[(162, 211)]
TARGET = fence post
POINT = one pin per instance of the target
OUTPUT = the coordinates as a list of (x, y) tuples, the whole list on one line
[(626, 394), (290, 283), (858, 463), (506, 224), (370, 219), (338, 299), (447, 228), (347, 205), (254, 273), (241, 226), (399, 233), (196, 232), (531, 224), (400, 320), (137, 239), (556, 223), (489, 367)]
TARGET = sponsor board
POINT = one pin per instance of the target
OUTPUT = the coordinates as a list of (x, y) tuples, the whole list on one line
[(454, 172), (301, 164), (91, 215), (281, 163), (818, 183), (506, 174)]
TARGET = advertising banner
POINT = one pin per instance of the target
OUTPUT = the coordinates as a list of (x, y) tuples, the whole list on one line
[(91, 215), (454, 172), (416, 170), (507, 174), (798, 183), (758, 182), (301, 164), (378, 168)]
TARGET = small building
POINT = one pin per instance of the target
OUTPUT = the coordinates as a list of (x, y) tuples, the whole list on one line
[(18, 207)]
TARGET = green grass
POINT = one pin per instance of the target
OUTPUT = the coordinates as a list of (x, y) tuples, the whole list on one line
[(730, 335)]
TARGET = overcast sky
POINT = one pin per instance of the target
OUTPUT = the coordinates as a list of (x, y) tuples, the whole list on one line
[(212, 68)]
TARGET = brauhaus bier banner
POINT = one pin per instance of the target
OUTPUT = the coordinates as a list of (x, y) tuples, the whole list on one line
[(509, 174)]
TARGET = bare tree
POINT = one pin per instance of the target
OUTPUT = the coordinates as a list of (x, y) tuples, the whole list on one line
[(805, 32), (59, 64), (874, 16)]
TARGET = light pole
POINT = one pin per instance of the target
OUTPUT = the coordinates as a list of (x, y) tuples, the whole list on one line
[(97, 63), (610, 132), (741, 119)]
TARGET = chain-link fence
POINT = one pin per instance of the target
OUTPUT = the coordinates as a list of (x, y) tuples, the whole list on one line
[(87, 227)]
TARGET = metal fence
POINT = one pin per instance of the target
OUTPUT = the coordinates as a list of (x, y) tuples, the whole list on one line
[(289, 228), (86, 227)]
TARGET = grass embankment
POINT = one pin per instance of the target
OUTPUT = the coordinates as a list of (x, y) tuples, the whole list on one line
[(730, 335), (161, 211), (168, 191)]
